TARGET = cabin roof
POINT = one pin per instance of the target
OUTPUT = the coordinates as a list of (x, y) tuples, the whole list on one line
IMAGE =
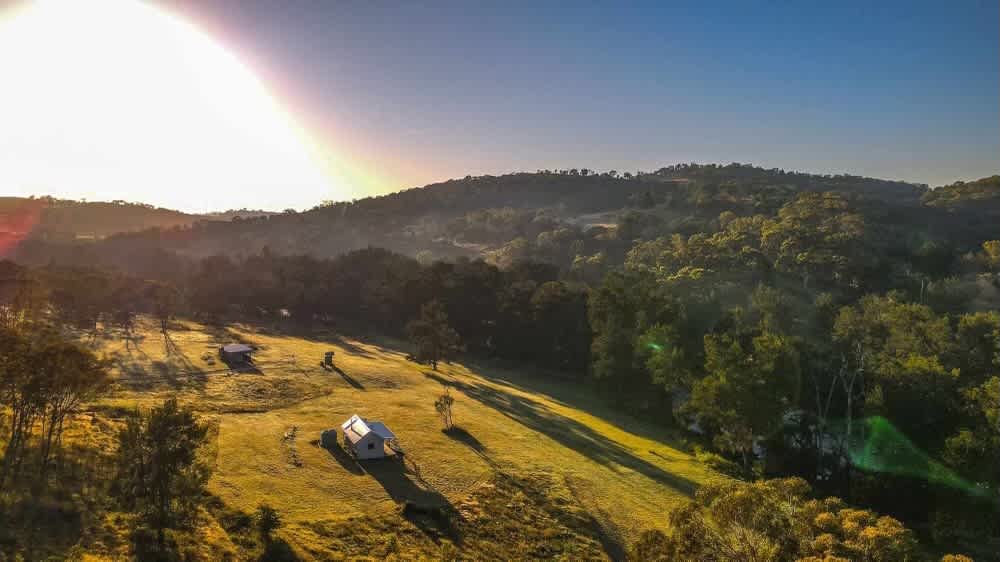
[(356, 428), (237, 348)]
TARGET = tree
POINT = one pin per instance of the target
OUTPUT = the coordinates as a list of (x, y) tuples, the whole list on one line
[(43, 378), (898, 356), (22, 298), (773, 520), (991, 255), (434, 339), (663, 352), (164, 298), (613, 310), (22, 392), (747, 388), (820, 237), (443, 406), (124, 304), (159, 472), (564, 338), (74, 376)]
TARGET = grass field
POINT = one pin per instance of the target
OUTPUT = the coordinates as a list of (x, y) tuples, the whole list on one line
[(613, 475)]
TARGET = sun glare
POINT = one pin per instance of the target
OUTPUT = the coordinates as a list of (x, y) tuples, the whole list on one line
[(116, 99)]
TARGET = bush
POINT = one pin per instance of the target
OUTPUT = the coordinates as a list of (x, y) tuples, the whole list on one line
[(718, 463)]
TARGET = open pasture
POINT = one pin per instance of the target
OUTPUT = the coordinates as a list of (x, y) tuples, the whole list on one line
[(624, 475)]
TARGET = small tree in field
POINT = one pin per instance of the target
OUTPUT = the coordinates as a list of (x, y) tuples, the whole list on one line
[(434, 339), (164, 298), (443, 406)]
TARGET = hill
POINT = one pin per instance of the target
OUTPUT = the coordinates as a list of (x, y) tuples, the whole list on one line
[(58, 219), (534, 469), (979, 196), (505, 217), (61, 220)]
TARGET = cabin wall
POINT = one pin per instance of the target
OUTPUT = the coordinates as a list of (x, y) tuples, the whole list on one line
[(377, 451)]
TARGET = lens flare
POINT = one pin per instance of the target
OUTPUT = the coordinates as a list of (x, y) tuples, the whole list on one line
[(17, 220), (885, 449)]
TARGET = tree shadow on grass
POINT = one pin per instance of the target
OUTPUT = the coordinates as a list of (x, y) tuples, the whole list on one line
[(326, 336), (278, 551), (464, 437), (175, 353), (221, 333), (48, 519), (143, 372), (540, 381), (349, 346), (355, 383), (38, 528), (570, 433), (572, 392)]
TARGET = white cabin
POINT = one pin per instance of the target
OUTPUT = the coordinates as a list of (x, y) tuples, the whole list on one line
[(366, 439)]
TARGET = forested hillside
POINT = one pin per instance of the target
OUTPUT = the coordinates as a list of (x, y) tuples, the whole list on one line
[(839, 329), (981, 196), (61, 221), (557, 216)]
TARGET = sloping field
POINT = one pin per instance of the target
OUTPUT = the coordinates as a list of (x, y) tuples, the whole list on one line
[(625, 475)]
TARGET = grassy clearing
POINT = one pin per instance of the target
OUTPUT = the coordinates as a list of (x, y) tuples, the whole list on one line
[(546, 459)]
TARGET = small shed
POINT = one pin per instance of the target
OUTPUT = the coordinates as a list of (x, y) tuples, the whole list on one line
[(366, 439), (236, 353)]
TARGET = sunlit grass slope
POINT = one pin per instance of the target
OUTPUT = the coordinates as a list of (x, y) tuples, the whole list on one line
[(621, 474)]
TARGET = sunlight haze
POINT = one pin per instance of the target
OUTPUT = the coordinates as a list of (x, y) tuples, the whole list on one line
[(106, 100)]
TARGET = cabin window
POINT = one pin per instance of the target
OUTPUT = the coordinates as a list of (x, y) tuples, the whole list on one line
[(371, 445)]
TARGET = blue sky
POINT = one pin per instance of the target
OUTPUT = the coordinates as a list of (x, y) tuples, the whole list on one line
[(410, 92), (431, 90)]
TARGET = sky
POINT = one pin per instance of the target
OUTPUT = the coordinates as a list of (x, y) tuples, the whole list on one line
[(389, 95)]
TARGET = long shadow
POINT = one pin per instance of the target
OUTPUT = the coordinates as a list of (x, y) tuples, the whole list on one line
[(221, 333), (133, 365), (464, 437), (349, 346), (278, 551), (164, 372), (242, 367), (321, 336), (569, 392), (185, 367), (46, 519), (402, 484), (347, 378), (567, 432), (546, 382), (174, 351), (349, 463), (423, 506)]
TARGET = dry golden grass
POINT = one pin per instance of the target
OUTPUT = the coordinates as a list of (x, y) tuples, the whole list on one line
[(626, 475)]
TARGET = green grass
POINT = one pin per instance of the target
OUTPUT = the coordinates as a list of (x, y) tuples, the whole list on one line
[(594, 475)]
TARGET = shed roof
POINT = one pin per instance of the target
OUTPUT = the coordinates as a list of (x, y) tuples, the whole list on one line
[(237, 348)]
